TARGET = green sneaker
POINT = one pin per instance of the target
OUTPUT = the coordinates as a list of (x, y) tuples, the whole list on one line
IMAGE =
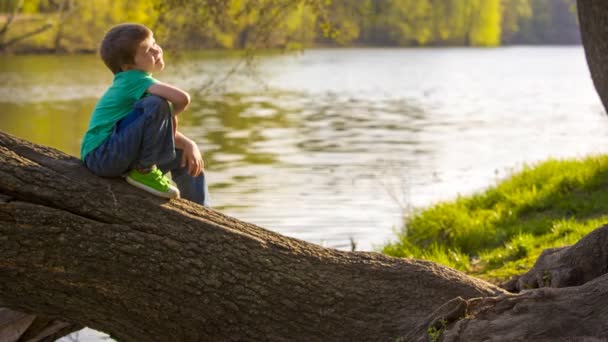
[(153, 182)]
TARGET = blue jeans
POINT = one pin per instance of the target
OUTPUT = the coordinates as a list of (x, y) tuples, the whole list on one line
[(142, 139)]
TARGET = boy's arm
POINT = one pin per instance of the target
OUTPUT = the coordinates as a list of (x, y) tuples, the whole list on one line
[(179, 98)]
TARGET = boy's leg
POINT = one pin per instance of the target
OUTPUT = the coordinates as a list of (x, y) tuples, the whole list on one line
[(191, 188), (144, 138), (158, 144)]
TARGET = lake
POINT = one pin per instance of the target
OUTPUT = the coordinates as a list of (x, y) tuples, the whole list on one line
[(336, 146)]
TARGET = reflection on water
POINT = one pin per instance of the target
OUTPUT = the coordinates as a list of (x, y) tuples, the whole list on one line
[(56, 123), (308, 166), (337, 143)]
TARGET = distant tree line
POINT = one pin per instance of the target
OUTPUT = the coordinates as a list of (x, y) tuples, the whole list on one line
[(455, 22), (78, 25)]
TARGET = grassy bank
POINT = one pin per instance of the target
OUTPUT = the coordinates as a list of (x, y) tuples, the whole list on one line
[(500, 232)]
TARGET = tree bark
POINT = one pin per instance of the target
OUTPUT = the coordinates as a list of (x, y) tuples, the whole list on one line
[(96, 252), (547, 314), (567, 266), (593, 18), (100, 253)]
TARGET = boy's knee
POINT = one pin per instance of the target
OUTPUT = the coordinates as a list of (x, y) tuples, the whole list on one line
[(155, 104)]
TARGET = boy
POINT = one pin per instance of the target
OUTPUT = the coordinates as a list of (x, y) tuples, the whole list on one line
[(133, 129)]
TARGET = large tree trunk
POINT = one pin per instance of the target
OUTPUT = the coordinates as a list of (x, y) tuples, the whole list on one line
[(99, 253), (593, 18), (102, 254)]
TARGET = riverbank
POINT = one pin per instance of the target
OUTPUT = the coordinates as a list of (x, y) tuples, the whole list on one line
[(501, 232)]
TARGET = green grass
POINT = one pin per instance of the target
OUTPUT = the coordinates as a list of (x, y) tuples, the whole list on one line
[(500, 232)]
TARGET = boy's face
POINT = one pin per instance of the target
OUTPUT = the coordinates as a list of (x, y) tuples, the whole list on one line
[(149, 56)]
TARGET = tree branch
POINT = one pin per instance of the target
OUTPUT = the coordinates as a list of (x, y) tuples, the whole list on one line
[(39, 30), (10, 19)]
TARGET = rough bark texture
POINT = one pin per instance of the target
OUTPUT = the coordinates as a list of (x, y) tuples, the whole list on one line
[(547, 314), (99, 253), (593, 18), (96, 252), (567, 266)]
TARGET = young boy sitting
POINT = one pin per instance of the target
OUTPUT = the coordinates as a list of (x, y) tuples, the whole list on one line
[(133, 130)]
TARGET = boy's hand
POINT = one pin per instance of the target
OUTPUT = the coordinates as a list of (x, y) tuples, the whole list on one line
[(191, 157)]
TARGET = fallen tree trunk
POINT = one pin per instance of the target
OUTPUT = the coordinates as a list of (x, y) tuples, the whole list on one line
[(96, 252), (100, 253)]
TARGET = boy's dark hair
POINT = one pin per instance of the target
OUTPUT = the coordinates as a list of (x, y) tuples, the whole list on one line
[(119, 45)]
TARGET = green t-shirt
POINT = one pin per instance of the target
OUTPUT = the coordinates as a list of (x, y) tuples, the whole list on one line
[(127, 87)]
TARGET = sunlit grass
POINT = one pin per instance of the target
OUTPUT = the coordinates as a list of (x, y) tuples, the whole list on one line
[(501, 232)]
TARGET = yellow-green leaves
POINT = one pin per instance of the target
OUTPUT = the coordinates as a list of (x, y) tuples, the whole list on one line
[(245, 24)]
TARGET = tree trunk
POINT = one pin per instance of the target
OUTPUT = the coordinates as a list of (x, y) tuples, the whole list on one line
[(593, 18), (66, 8), (548, 314), (100, 253), (567, 266)]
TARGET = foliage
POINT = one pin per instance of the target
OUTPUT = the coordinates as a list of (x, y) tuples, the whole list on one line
[(78, 25), (540, 21), (435, 331), (501, 232)]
